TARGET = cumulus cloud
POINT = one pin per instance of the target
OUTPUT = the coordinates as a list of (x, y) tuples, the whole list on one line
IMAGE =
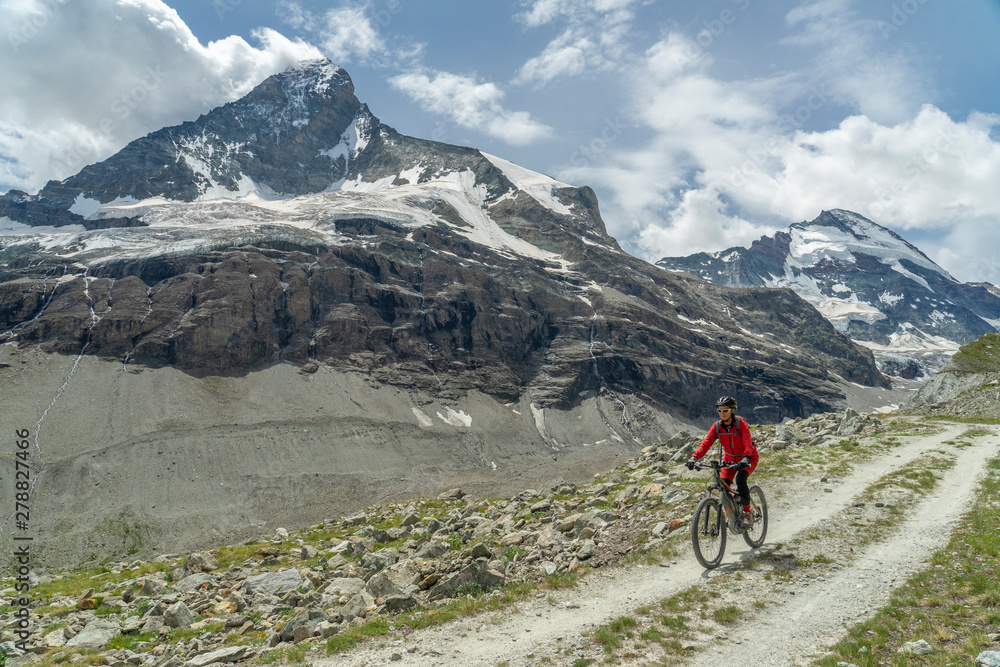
[(81, 79), (723, 153), (471, 104), (595, 37), (352, 32)]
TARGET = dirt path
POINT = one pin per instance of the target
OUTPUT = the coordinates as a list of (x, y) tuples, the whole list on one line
[(551, 625)]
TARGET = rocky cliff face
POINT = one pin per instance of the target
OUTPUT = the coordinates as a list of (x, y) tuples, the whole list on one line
[(447, 315), (868, 282)]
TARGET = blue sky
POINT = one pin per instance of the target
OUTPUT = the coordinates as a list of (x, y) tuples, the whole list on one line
[(701, 125)]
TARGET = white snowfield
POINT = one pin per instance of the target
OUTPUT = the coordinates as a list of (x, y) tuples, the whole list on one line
[(221, 216)]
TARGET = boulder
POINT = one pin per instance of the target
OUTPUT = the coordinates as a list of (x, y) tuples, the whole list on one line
[(988, 659), (195, 581), (178, 615), (228, 654), (202, 562), (358, 605), (97, 633), (273, 582)]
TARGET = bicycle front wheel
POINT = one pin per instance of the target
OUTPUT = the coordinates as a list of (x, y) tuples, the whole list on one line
[(708, 533), (758, 503)]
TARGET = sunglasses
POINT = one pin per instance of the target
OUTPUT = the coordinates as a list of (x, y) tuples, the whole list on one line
[(725, 411)]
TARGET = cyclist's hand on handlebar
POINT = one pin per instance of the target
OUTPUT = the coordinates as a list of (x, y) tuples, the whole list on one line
[(691, 463), (744, 463)]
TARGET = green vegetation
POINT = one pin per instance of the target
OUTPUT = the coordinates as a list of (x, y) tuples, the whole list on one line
[(980, 356), (951, 605)]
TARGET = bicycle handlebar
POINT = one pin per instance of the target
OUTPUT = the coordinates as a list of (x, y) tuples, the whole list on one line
[(718, 466)]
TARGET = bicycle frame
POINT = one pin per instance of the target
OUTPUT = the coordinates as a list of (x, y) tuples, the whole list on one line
[(727, 496)]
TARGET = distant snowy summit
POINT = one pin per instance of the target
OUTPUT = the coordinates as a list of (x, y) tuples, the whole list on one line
[(870, 283), (300, 148)]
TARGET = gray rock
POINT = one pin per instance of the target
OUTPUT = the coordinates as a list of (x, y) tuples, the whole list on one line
[(988, 659), (326, 629), (660, 529), (228, 654), (345, 586), (548, 568), (410, 520), (308, 552), (195, 581), (381, 586), (358, 605), (273, 582), (152, 586), (586, 549), (673, 496), (97, 633), (541, 506), (178, 615), (919, 647), (302, 625), (480, 550), (153, 624), (379, 560), (396, 603), (433, 549), (202, 561)]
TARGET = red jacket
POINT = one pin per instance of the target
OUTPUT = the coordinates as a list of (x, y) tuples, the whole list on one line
[(736, 442)]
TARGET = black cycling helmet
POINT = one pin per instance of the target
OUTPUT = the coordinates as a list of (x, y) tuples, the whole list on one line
[(727, 401)]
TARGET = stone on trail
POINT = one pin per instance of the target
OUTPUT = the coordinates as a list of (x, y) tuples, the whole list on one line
[(548, 568), (453, 494)]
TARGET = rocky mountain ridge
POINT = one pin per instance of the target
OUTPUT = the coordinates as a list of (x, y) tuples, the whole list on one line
[(870, 283)]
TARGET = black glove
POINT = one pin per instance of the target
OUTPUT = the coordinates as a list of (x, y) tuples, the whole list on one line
[(691, 463), (745, 463)]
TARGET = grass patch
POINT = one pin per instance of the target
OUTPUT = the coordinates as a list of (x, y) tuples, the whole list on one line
[(951, 605), (727, 615)]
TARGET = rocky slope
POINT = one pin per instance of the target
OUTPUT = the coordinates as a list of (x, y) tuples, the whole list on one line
[(969, 386), (303, 588), (288, 294), (868, 282)]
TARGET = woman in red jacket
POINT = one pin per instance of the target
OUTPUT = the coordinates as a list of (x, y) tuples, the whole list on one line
[(733, 434)]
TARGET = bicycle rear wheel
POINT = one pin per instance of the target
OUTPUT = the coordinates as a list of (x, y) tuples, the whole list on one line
[(755, 536), (708, 533)]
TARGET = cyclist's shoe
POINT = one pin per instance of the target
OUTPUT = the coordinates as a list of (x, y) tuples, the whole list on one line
[(748, 519)]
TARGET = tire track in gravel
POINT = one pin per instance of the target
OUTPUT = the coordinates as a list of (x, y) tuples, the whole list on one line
[(799, 630), (540, 627)]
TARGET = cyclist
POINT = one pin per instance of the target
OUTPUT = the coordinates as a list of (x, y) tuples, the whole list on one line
[(733, 434)]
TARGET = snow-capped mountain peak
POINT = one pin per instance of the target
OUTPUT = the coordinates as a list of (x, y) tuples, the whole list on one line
[(869, 282)]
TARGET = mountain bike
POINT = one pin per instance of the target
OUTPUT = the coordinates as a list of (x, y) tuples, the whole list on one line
[(721, 510)]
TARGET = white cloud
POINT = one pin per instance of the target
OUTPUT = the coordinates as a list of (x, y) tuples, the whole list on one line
[(347, 34), (81, 79), (721, 153), (471, 104), (597, 38)]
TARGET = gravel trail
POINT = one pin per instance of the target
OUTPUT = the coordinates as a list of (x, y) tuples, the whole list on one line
[(553, 623)]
